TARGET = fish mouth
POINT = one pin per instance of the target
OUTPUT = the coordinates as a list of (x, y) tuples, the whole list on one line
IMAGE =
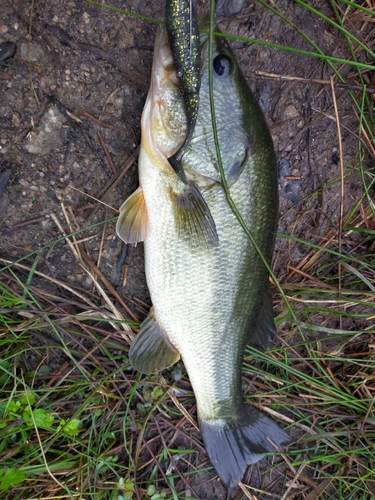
[(163, 121), (163, 66)]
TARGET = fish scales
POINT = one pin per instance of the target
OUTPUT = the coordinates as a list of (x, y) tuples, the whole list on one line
[(210, 297)]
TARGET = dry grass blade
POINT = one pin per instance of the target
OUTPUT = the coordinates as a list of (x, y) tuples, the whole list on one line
[(53, 280), (293, 481), (78, 255), (246, 491)]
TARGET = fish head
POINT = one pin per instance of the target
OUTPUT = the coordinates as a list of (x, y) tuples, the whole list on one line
[(164, 122), (239, 120)]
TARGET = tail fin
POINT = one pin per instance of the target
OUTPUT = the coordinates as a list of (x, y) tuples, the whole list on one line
[(233, 444)]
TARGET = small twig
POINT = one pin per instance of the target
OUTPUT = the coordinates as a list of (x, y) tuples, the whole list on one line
[(348, 129), (107, 284), (106, 152), (367, 139), (294, 480), (246, 493), (323, 242), (109, 98), (89, 195), (311, 278), (99, 122), (187, 485), (53, 280), (77, 252), (177, 428), (125, 277), (156, 461), (88, 353), (280, 451), (101, 242), (290, 78), (38, 67), (30, 221), (182, 409), (113, 182)]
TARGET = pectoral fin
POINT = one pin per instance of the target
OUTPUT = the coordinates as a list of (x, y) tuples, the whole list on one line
[(237, 167), (131, 225), (193, 218), (151, 350)]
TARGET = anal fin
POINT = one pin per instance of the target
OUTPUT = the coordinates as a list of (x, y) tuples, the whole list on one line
[(131, 225), (151, 350), (193, 218)]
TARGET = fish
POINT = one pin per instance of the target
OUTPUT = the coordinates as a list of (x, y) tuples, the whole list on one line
[(209, 287), (184, 40)]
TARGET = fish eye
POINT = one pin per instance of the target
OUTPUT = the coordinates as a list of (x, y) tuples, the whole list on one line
[(222, 65)]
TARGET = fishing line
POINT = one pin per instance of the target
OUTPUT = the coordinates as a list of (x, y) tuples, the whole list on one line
[(222, 173)]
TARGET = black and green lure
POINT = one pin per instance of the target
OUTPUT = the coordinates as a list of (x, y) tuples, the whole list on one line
[(184, 40)]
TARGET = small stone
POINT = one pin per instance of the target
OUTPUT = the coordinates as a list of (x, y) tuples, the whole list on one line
[(16, 119), (88, 282), (229, 7), (31, 52), (119, 102), (46, 136), (290, 112), (86, 18)]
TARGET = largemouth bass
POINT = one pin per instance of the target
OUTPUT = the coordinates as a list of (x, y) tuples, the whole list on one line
[(209, 287), (184, 40)]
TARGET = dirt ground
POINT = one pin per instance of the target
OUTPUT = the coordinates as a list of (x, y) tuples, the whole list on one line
[(70, 105), (74, 58)]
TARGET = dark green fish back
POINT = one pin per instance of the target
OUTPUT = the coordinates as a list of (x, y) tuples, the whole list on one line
[(184, 40)]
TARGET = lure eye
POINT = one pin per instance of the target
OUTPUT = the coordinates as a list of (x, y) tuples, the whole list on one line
[(222, 65)]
